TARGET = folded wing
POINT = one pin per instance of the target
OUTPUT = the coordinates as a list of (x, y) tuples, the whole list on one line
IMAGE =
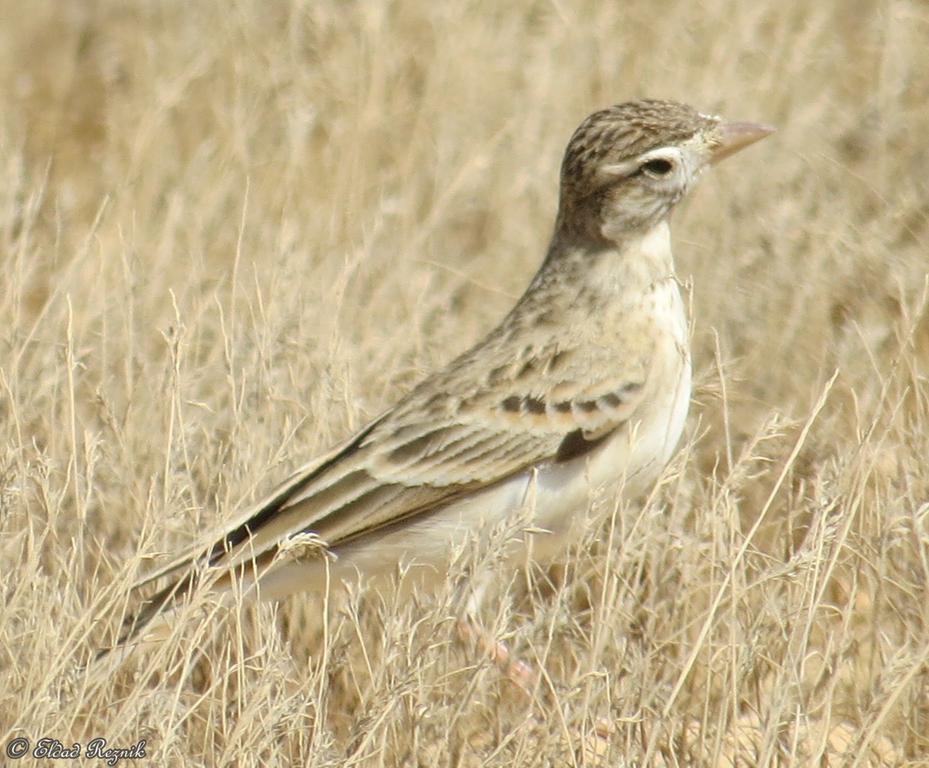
[(465, 428)]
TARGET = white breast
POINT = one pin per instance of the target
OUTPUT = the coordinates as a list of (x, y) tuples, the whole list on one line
[(635, 455)]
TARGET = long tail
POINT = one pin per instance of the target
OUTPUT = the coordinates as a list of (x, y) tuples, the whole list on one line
[(241, 554)]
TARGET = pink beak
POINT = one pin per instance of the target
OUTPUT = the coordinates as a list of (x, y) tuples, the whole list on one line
[(732, 137)]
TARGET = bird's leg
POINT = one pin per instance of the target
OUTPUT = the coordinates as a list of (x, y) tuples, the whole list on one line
[(472, 632)]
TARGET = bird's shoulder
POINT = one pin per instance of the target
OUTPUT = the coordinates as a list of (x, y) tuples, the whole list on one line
[(518, 393)]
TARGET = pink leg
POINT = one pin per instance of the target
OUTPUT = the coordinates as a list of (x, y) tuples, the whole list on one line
[(518, 671)]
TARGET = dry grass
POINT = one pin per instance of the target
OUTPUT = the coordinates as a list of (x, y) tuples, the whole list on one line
[(231, 231)]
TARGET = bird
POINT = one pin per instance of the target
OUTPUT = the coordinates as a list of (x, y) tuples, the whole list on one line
[(584, 385)]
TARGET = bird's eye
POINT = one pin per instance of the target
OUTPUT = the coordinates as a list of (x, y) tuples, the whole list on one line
[(657, 168)]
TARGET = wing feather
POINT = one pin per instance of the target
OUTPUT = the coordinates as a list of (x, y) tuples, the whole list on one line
[(461, 430)]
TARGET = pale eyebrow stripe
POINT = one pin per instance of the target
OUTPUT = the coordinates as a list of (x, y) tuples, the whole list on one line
[(628, 166)]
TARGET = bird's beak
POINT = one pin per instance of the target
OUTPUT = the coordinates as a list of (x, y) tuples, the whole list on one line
[(731, 137)]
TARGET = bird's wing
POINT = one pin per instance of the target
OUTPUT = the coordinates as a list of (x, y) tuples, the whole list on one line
[(317, 465), (467, 427)]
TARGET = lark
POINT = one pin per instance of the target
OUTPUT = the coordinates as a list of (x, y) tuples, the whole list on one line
[(583, 387)]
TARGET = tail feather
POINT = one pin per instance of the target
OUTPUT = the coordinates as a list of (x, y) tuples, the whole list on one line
[(246, 547)]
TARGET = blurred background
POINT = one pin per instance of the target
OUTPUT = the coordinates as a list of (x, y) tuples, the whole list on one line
[(232, 231)]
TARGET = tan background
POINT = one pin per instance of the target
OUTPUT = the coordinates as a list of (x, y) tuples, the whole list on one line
[(232, 231)]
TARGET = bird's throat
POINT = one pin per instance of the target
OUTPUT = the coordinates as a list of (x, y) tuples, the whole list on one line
[(635, 262)]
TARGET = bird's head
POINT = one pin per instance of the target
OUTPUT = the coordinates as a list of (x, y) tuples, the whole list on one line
[(627, 166)]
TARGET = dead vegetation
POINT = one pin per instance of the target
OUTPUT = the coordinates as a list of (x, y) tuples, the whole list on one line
[(230, 232)]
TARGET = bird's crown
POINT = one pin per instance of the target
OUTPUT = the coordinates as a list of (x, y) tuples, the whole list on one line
[(625, 131)]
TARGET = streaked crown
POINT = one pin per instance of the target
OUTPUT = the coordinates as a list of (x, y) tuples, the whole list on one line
[(625, 131), (626, 166)]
